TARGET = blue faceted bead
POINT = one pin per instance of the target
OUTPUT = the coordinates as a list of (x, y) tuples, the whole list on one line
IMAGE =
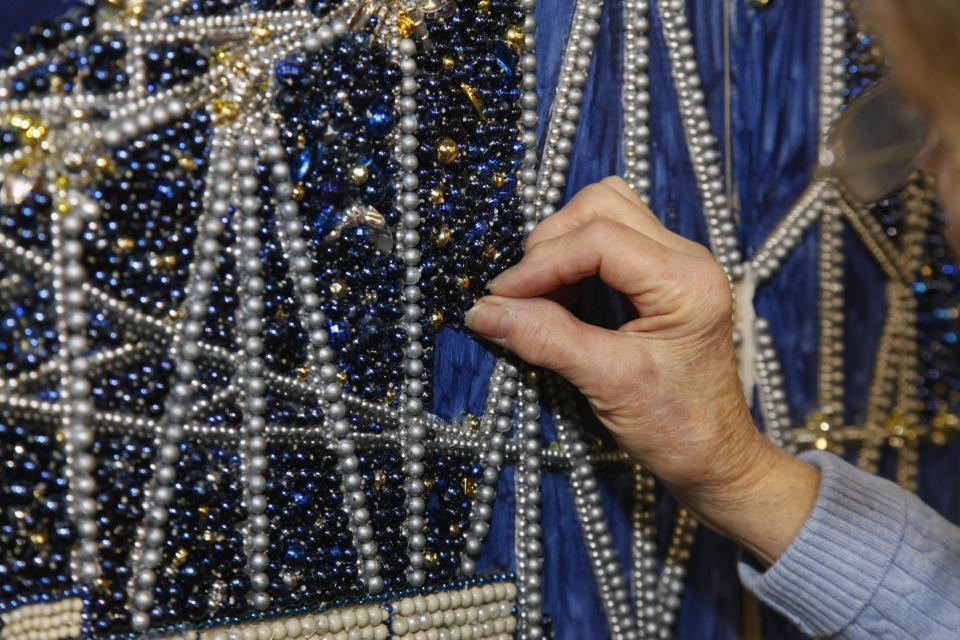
[(380, 120)]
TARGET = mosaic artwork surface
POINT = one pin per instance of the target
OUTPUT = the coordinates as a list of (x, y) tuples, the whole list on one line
[(232, 235)]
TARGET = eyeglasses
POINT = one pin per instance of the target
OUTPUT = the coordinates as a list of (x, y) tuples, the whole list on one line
[(877, 143)]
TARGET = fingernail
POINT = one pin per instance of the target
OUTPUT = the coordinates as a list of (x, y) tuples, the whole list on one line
[(489, 319)]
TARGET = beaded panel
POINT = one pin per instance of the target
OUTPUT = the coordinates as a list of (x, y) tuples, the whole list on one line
[(233, 230)]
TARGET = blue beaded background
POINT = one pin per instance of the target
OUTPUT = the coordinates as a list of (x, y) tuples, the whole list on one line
[(774, 118)]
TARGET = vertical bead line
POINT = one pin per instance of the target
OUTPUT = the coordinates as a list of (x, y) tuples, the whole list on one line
[(621, 619), (414, 430), (636, 96), (184, 350), (528, 531), (701, 142), (72, 214), (527, 184), (321, 357), (494, 427), (565, 109), (250, 375)]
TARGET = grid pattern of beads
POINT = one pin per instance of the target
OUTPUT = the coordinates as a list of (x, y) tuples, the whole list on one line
[(230, 234), (43, 621)]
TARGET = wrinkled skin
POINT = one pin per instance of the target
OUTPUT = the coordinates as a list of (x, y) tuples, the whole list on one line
[(666, 384)]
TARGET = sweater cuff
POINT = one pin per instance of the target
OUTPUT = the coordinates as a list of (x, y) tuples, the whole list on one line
[(832, 569)]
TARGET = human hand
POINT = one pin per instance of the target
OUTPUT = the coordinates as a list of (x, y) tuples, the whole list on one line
[(665, 384)]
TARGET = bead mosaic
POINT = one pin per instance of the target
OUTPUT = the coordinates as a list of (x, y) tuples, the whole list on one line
[(230, 233)]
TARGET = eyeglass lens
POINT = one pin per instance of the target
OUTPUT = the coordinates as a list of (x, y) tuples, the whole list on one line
[(876, 145)]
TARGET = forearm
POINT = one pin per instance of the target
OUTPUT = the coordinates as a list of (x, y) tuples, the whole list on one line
[(763, 500)]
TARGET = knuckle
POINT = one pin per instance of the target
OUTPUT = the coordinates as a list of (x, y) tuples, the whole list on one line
[(715, 294), (701, 251)]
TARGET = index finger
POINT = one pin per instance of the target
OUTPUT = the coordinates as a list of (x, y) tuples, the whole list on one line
[(610, 199)]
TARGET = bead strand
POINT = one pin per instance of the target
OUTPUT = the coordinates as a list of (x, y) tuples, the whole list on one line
[(336, 420), (73, 214), (408, 241), (528, 530), (253, 403), (644, 548), (702, 144), (830, 314), (527, 184), (494, 427), (596, 533), (671, 581), (832, 71), (773, 397), (184, 351), (788, 233), (636, 96), (565, 110)]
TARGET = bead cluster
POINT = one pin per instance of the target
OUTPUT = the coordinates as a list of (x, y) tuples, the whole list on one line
[(43, 621), (476, 613), (36, 537), (184, 353)]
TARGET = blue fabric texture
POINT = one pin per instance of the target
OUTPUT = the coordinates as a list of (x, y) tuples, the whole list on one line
[(872, 561), (774, 54)]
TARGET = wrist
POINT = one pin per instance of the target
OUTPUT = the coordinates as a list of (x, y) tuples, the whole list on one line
[(761, 500)]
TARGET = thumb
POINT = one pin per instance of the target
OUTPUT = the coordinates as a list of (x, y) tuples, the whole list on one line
[(541, 332)]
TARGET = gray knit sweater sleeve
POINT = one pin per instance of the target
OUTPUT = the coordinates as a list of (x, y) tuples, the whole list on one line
[(872, 561)]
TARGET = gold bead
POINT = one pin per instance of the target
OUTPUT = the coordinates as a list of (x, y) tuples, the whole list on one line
[(169, 261), (342, 376), (463, 282), (762, 3), (472, 423), (203, 510), (187, 163), (474, 97), (180, 557), (224, 111), (303, 372), (428, 483), (483, 6), (359, 174), (123, 245), (406, 25), (38, 539), (448, 62), (470, 487), (299, 192), (515, 37), (431, 559), (490, 252), (499, 179), (447, 150), (379, 480), (443, 236), (436, 319), (338, 287), (261, 34), (436, 196)]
